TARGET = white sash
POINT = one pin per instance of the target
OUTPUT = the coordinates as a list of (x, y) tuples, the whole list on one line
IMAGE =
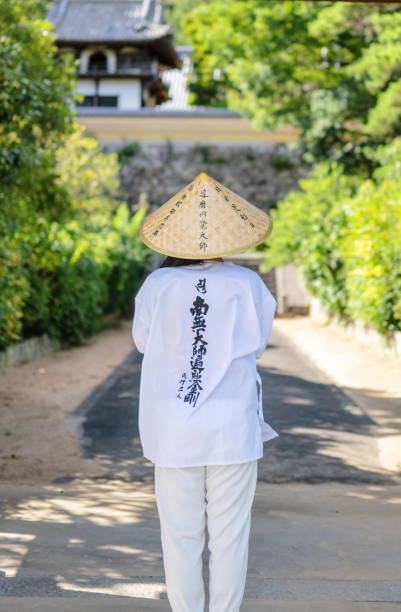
[(268, 433)]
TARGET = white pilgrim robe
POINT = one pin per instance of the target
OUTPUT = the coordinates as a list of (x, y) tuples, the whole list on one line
[(201, 328)]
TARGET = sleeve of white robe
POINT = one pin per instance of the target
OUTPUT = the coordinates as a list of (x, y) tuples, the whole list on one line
[(266, 307), (142, 315)]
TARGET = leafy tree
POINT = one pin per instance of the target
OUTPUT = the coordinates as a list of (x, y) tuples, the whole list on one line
[(379, 66), (306, 64), (35, 108), (370, 245), (344, 234), (69, 248), (60, 276), (307, 226), (88, 176), (175, 11)]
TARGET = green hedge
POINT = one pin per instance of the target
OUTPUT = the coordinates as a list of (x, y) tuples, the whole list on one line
[(60, 279), (69, 251), (371, 250), (344, 234)]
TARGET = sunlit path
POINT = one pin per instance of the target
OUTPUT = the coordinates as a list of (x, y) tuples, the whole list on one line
[(324, 435), (94, 543), (324, 516)]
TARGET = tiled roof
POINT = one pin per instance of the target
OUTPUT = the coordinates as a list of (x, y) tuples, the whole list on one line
[(108, 20)]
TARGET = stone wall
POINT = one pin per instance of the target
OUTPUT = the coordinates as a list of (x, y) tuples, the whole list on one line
[(262, 174), (26, 350)]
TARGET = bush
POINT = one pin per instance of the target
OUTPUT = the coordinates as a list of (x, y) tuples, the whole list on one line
[(60, 280), (344, 234), (128, 151), (14, 289), (67, 283), (37, 93), (306, 231), (127, 260), (69, 250), (371, 248)]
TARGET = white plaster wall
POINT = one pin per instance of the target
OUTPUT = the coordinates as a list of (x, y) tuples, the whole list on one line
[(111, 60), (128, 91), (86, 87), (84, 60)]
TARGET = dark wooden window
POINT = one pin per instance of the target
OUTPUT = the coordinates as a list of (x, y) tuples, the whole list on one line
[(133, 59), (97, 62), (127, 60), (106, 101)]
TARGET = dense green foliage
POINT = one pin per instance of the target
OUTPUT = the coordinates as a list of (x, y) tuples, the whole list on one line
[(88, 176), (69, 248), (69, 275), (329, 69), (344, 234), (306, 231), (175, 10), (371, 245), (35, 94), (60, 278)]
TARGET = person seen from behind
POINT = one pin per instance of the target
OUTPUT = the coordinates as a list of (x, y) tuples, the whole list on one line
[(201, 322)]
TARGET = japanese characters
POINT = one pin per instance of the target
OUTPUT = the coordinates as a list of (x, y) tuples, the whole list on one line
[(202, 220), (199, 312), (172, 210), (234, 206)]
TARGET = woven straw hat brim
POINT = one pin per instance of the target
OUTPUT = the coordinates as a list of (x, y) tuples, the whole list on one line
[(204, 220)]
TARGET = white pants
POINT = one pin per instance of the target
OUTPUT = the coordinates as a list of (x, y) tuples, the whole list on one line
[(186, 498)]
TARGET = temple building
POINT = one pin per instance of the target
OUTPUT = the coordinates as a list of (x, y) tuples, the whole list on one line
[(133, 80), (123, 47)]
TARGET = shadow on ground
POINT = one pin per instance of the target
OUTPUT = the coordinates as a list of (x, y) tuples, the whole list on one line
[(324, 435)]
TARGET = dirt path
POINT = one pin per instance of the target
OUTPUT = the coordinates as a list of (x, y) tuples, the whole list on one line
[(370, 379), (79, 528), (325, 436), (37, 397), (329, 547)]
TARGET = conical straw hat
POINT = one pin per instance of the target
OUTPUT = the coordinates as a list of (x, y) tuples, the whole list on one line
[(204, 220)]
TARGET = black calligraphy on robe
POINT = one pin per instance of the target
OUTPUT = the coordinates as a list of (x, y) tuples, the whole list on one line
[(198, 310)]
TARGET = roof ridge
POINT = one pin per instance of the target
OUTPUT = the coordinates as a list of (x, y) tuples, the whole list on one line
[(113, 21)]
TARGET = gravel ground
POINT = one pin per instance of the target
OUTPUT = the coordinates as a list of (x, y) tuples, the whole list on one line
[(36, 399)]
